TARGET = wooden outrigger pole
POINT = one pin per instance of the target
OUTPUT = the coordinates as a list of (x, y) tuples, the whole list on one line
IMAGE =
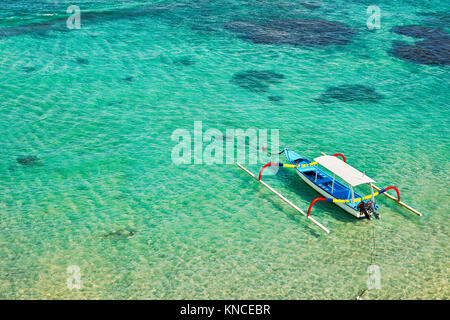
[(285, 200), (393, 198), (399, 202)]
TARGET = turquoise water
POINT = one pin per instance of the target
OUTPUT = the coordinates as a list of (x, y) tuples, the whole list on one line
[(97, 108)]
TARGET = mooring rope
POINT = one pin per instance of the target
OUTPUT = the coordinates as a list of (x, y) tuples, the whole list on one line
[(277, 153), (372, 255)]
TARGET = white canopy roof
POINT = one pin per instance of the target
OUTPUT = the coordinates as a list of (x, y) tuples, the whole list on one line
[(346, 172)]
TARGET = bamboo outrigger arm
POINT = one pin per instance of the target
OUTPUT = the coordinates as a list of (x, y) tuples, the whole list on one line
[(285, 200), (399, 202), (393, 198)]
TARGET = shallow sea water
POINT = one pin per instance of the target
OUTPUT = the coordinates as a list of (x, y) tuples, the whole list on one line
[(97, 106)]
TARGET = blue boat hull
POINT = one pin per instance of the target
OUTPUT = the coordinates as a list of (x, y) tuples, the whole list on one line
[(323, 184)]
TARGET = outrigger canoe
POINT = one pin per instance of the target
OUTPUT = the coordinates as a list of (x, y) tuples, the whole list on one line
[(342, 193)]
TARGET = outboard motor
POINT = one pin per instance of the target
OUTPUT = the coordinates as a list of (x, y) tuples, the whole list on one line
[(364, 209), (367, 208), (374, 211)]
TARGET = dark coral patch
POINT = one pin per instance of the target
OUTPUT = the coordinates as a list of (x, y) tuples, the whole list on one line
[(420, 32), (60, 25), (28, 69), (184, 61), (311, 4), (256, 81), (39, 29), (429, 52), (82, 61), (350, 93), (295, 32), (275, 98), (434, 50), (120, 234), (27, 160)]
